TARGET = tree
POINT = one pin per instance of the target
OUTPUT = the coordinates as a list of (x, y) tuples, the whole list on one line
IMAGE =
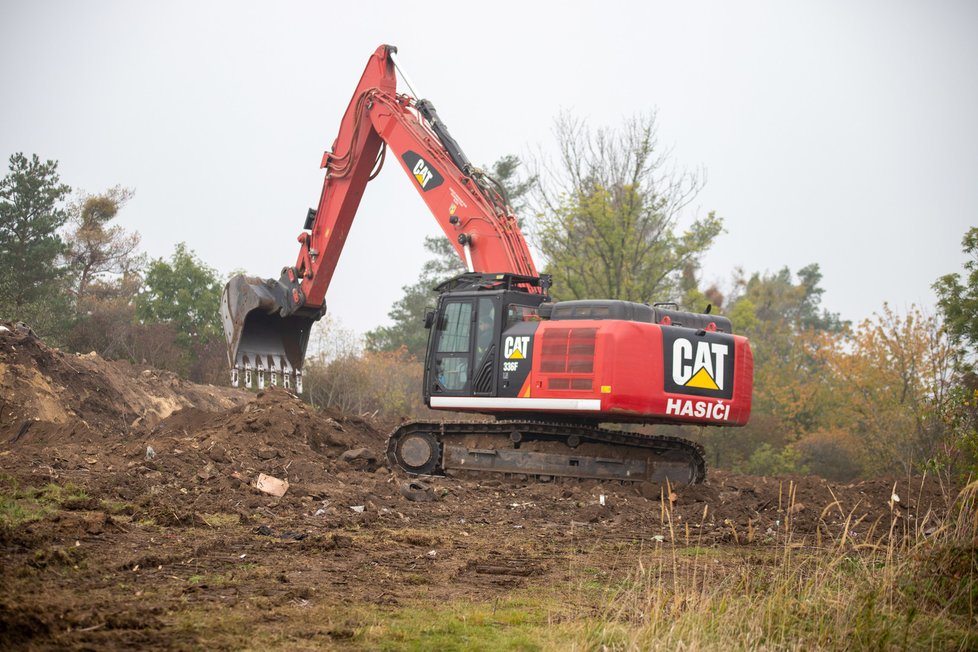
[(777, 299), (890, 378), (957, 301), (407, 313), (186, 293), (788, 329), (106, 274), (32, 275), (789, 333), (957, 298), (609, 211), (95, 250)]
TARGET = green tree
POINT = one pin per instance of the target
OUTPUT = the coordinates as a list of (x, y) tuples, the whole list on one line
[(957, 298), (407, 313), (789, 331), (777, 299), (957, 302), (185, 293), (609, 212), (32, 275)]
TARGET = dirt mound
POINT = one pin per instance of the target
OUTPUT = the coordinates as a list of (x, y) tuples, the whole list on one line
[(48, 396)]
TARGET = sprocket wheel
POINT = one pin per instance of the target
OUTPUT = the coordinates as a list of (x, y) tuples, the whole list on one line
[(418, 453)]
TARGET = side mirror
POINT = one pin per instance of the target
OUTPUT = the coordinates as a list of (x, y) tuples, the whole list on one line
[(429, 319)]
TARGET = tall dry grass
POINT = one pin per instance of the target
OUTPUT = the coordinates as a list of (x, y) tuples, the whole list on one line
[(911, 584)]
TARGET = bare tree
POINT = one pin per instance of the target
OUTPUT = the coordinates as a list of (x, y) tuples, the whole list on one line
[(608, 213)]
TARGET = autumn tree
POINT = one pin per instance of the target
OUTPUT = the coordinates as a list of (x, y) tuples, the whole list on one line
[(32, 274), (889, 377), (96, 250), (608, 214)]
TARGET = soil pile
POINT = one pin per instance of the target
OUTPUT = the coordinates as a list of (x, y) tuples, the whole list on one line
[(47, 395)]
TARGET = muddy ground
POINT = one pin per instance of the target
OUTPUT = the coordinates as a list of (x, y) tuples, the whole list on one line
[(132, 515)]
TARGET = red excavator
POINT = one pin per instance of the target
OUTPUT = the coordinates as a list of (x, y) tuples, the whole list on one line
[(549, 373)]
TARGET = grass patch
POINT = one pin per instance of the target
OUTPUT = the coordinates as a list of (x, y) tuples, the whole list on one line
[(57, 494), (16, 511), (117, 507), (514, 623), (19, 506), (220, 520)]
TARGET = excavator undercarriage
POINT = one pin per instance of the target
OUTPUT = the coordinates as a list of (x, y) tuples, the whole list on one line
[(544, 450)]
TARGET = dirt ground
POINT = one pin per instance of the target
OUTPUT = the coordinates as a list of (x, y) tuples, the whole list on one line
[(132, 512)]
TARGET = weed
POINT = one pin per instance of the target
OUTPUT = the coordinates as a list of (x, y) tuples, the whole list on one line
[(220, 520)]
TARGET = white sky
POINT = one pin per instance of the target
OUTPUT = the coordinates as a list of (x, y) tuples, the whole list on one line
[(842, 133)]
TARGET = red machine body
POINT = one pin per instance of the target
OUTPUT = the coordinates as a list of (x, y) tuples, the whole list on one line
[(624, 375)]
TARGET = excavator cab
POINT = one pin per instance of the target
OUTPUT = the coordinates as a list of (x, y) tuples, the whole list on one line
[(475, 318)]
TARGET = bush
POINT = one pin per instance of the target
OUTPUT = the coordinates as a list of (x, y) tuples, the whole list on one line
[(385, 383), (829, 454), (766, 460)]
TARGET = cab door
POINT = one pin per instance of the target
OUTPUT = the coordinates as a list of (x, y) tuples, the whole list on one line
[(450, 358), (462, 356)]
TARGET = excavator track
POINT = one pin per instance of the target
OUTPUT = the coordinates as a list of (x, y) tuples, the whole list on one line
[(545, 450)]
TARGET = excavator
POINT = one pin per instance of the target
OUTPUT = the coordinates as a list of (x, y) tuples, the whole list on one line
[(557, 378)]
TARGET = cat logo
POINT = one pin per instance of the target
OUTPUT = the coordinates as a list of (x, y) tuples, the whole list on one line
[(703, 369), (422, 171), (698, 365), (516, 348)]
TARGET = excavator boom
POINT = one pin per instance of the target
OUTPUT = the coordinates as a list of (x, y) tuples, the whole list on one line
[(267, 321)]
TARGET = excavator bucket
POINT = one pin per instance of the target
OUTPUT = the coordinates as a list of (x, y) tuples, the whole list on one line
[(260, 340)]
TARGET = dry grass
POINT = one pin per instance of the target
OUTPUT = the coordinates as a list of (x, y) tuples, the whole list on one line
[(909, 585)]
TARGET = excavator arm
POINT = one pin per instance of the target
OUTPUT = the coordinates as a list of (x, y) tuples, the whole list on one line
[(267, 322)]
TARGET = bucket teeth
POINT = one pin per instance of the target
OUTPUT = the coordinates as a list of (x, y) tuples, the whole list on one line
[(269, 370), (261, 373)]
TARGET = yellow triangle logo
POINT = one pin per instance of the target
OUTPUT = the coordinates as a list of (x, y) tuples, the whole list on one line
[(702, 380), (420, 180), (516, 355)]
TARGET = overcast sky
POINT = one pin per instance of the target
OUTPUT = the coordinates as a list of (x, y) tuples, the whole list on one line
[(842, 133)]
